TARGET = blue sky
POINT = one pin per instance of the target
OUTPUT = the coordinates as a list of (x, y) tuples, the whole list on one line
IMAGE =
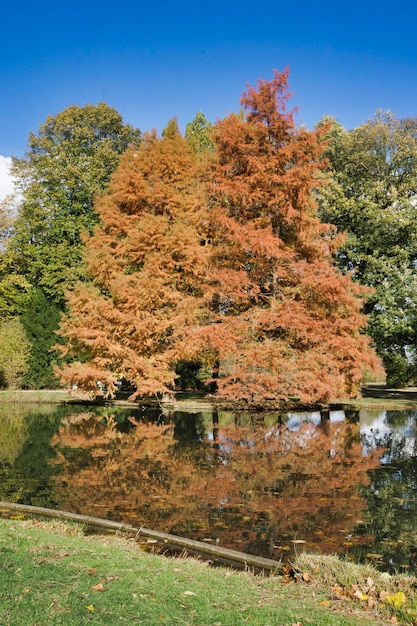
[(154, 60)]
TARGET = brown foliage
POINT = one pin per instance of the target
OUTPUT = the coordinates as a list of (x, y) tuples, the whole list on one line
[(147, 265), (224, 260), (283, 319)]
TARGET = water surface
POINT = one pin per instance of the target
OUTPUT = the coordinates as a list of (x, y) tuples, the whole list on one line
[(269, 485)]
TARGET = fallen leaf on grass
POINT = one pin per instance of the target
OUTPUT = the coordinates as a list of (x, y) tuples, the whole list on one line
[(91, 571), (98, 587), (189, 593), (397, 600), (90, 607)]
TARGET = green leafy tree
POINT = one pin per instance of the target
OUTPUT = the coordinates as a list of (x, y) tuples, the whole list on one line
[(14, 353), (68, 163), (371, 193), (14, 288), (198, 133)]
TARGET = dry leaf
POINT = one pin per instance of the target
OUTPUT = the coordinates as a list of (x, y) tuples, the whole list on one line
[(98, 587), (189, 593)]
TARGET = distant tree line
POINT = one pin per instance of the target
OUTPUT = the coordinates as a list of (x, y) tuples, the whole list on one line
[(253, 258)]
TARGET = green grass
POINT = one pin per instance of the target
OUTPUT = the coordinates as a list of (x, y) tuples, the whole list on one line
[(41, 396), (50, 574)]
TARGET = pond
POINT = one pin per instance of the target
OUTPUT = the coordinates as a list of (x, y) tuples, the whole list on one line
[(336, 482)]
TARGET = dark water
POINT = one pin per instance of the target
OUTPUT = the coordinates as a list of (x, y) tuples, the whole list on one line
[(337, 483)]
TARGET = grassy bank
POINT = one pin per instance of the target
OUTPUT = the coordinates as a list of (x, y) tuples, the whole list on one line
[(52, 574), (35, 396), (374, 397)]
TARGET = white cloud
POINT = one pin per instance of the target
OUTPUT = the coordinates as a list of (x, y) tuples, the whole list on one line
[(6, 180)]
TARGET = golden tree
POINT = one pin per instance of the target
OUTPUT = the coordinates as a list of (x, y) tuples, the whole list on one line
[(147, 262)]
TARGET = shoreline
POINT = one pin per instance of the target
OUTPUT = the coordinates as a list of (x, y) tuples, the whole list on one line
[(374, 396)]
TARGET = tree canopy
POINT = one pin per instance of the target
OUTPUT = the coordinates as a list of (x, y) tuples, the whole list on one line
[(198, 133), (146, 263), (221, 259), (14, 353), (372, 194), (14, 288), (67, 164)]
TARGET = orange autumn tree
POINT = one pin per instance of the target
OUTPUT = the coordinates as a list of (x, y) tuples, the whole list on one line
[(146, 265), (220, 259), (283, 321)]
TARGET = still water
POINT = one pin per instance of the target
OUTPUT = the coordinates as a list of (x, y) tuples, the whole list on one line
[(338, 482)]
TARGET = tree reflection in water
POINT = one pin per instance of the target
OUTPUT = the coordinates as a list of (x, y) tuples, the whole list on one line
[(255, 485), (389, 530)]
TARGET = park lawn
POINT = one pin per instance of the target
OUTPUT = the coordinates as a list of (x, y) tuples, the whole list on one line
[(52, 573)]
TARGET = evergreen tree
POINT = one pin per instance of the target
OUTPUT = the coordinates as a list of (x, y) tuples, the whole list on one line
[(40, 321)]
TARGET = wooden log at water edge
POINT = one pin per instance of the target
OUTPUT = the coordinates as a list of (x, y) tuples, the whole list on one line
[(216, 553)]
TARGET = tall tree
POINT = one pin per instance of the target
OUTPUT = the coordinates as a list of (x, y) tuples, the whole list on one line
[(237, 272), (283, 320), (67, 164), (146, 262), (372, 194)]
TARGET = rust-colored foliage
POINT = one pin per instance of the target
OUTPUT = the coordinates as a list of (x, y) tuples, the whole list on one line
[(221, 259), (146, 265), (283, 320)]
